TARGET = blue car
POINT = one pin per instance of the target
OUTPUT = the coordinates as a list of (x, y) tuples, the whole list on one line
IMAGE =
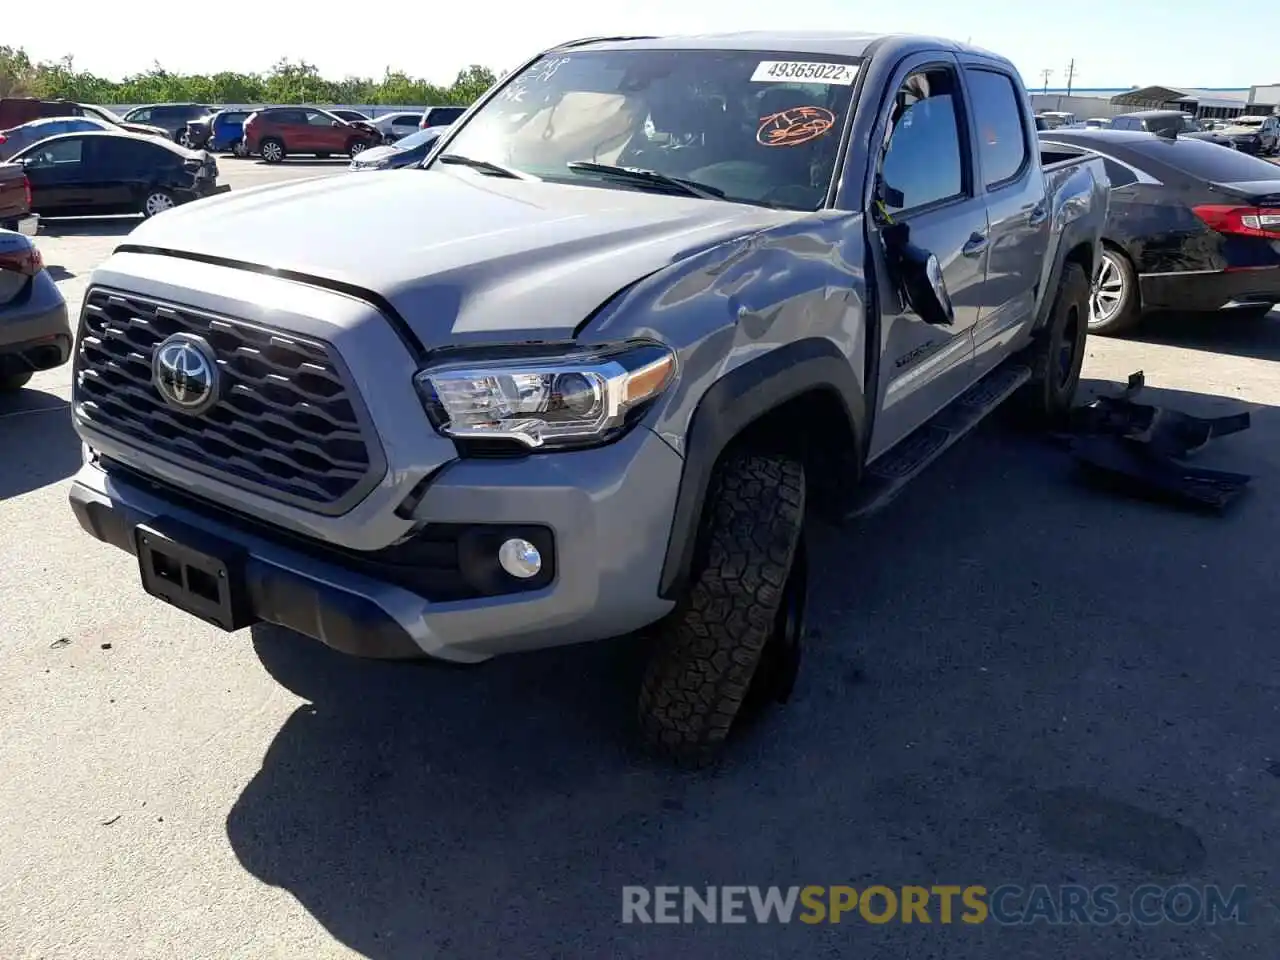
[(219, 132), (405, 152)]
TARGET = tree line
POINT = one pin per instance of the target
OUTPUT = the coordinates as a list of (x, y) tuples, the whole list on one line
[(286, 82)]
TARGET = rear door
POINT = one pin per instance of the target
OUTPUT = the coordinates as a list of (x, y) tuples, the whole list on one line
[(926, 166), (1017, 209), (403, 124)]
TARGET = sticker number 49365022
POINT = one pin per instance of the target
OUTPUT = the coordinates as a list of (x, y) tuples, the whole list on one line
[(780, 71)]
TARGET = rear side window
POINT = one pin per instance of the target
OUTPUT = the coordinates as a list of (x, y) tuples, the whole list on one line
[(1118, 173), (442, 116), (285, 116), (1206, 161), (1002, 139)]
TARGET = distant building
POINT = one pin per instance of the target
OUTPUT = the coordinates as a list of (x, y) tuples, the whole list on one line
[(1215, 103)]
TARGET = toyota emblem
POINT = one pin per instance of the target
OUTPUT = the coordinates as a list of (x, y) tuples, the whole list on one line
[(185, 373)]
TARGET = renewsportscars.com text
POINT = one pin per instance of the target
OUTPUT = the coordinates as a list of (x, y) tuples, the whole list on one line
[(1008, 904)]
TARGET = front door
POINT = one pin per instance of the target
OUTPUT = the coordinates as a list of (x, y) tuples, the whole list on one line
[(1017, 208), (926, 183), (322, 135), (56, 170)]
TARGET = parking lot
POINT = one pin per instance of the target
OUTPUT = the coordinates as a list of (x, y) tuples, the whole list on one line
[(1014, 678)]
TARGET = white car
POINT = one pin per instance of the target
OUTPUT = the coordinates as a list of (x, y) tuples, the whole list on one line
[(393, 126)]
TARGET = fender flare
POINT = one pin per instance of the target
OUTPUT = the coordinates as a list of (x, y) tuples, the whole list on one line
[(735, 401)]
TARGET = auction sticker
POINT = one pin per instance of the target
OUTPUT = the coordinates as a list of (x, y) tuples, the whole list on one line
[(780, 71)]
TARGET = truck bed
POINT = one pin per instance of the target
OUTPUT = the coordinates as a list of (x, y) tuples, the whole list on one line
[(13, 194)]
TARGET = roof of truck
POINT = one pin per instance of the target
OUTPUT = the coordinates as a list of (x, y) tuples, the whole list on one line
[(839, 43)]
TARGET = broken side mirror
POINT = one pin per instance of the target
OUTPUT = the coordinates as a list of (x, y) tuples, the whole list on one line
[(920, 275)]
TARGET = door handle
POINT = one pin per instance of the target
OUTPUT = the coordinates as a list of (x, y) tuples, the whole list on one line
[(1039, 213), (977, 244)]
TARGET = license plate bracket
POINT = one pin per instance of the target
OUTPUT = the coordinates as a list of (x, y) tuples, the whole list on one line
[(198, 573)]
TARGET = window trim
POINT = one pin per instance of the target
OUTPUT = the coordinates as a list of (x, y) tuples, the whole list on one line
[(929, 61), (1014, 86)]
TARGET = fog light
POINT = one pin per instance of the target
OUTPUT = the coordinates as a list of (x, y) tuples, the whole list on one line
[(520, 558)]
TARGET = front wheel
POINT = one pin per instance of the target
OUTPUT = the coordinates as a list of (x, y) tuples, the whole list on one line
[(157, 202), (355, 148), (738, 629)]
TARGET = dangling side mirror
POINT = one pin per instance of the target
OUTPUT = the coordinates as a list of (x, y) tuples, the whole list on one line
[(920, 275)]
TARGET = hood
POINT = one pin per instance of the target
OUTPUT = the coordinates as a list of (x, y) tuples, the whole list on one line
[(145, 129), (459, 253)]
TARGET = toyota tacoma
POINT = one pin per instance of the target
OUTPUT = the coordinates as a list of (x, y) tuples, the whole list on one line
[(585, 372)]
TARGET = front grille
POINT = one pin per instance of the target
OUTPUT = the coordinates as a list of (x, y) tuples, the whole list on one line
[(285, 424)]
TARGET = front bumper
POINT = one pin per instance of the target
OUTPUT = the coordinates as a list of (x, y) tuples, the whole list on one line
[(34, 332), (1206, 292), (609, 511)]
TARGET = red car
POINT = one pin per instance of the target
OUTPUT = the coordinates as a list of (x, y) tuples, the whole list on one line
[(277, 132)]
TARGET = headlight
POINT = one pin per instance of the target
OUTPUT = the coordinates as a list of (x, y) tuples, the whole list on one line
[(578, 398)]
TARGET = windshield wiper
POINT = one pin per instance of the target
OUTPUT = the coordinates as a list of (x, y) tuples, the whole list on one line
[(486, 166), (689, 188)]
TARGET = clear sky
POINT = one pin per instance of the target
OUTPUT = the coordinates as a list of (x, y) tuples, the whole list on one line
[(1119, 43)]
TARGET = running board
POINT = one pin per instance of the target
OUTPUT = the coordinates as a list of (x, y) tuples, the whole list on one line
[(895, 469)]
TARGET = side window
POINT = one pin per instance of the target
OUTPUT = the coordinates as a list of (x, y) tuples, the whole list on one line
[(139, 116), (924, 152), (317, 119), (62, 152), (1118, 173), (163, 115), (287, 117), (997, 112)]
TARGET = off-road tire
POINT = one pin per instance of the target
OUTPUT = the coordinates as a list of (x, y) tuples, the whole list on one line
[(1058, 352), (14, 381), (706, 652)]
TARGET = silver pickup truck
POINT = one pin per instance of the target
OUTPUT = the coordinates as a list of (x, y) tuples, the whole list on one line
[(650, 304)]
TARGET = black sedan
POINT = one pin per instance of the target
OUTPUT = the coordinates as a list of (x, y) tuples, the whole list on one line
[(1192, 226), (405, 152), (97, 174)]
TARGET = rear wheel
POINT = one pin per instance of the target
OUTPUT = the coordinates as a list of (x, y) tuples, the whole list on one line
[(1113, 305), (240, 148), (735, 637), (156, 202), (1058, 353), (14, 381), (272, 150)]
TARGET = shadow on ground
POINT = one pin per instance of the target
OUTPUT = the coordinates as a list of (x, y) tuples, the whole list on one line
[(87, 226), (1015, 679), (38, 445), (1223, 332)]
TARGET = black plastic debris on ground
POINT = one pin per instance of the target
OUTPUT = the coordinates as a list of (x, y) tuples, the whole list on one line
[(1138, 448)]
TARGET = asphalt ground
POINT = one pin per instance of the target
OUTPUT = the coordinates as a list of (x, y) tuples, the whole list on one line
[(1016, 678)]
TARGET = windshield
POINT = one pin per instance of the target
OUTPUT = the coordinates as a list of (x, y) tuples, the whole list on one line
[(418, 137), (758, 127), (105, 114)]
